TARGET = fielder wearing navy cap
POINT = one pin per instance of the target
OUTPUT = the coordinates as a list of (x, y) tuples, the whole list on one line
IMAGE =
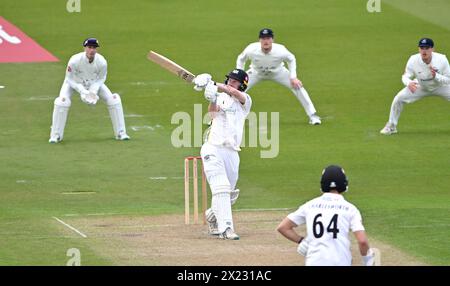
[(93, 42), (426, 42), (266, 33)]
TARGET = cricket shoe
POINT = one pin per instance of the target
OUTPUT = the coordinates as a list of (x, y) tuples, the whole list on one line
[(388, 129), (314, 119), (229, 234), (122, 136), (54, 139)]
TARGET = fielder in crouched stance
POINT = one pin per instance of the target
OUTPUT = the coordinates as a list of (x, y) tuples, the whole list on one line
[(229, 107), (328, 220), (427, 74), (267, 63), (86, 74)]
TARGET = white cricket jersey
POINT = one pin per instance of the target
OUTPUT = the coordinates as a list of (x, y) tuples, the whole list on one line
[(328, 218), (267, 64), (417, 69), (81, 73), (228, 123)]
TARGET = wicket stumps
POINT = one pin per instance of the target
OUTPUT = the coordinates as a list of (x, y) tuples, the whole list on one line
[(187, 214)]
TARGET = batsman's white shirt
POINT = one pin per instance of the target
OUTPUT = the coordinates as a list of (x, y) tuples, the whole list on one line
[(83, 74), (416, 68), (328, 218), (228, 123), (267, 64)]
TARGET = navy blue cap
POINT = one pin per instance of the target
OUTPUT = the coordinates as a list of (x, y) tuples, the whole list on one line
[(266, 33), (91, 42), (426, 42)]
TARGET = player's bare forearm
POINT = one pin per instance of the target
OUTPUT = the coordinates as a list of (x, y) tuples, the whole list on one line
[(286, 228), (231, 91), (363, 243), (213, 109)]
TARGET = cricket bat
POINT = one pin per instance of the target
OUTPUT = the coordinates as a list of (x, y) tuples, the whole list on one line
[(171, 66)]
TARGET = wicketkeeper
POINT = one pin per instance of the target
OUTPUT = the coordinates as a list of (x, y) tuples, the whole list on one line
[(86, 74)]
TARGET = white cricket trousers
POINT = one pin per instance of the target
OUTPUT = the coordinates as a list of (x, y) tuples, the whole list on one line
[(406, 96), (221, 165), (283, 78)]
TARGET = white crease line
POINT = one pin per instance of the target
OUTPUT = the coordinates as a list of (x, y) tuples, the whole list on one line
[(425, 225), (158, 178), (94, 214), (261, 210), (146, 127), (133, 115), (127, 214), (165, 178), (71, 227), (41, 98), (78, 193), (145, 83)]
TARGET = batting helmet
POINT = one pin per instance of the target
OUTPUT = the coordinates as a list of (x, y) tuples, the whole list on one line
[(333, 178), (239, 75)]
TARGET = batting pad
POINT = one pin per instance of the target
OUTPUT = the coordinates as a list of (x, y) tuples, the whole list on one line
[(59, 119), (117, 118), (221, 206)]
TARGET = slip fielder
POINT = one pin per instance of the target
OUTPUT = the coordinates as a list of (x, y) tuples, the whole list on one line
[(267, 63), (427, 73), (86, 74)]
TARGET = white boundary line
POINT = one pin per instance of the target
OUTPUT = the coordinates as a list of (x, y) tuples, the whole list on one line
[(71, 227)]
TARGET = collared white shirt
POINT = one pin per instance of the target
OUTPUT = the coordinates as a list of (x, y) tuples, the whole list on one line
[(329, 219), (416, 68), (80, 71), (228, 123), (267, 64)]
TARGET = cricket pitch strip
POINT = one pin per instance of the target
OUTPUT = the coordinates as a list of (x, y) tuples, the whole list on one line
[(166, 240)]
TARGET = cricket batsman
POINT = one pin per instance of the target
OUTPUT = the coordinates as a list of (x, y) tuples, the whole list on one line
[(86, 75), (228, 108)]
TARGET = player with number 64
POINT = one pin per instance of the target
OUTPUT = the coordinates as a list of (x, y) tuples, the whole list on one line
[(328, 219)]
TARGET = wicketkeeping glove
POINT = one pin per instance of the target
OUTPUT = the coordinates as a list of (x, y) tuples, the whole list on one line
[(89, 97)]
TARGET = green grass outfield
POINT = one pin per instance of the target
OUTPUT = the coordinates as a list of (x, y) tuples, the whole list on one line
[(349, 60)]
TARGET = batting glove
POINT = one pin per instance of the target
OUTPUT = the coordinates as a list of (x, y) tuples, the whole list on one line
[(303, 246), (369, 259), (211, 92), (201, 81)]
